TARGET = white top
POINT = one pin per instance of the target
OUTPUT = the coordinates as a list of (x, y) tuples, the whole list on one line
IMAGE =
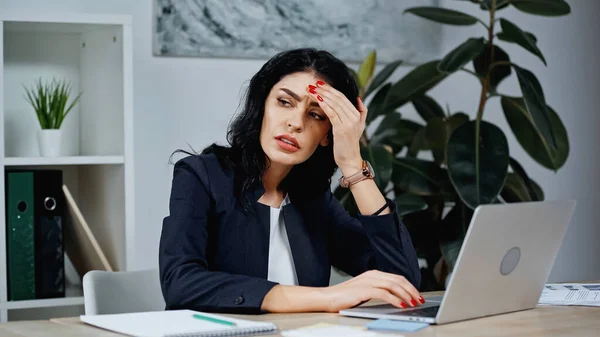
[(281, 264)]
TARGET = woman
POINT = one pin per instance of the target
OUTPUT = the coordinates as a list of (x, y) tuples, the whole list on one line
[(254, 227)]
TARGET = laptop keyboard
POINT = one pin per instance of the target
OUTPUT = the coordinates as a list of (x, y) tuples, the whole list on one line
[(421, 312)]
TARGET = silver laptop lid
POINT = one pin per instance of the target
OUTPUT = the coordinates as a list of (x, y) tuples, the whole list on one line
[(507, 255)]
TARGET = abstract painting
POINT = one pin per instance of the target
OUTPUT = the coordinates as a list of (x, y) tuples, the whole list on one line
[(258, 29)]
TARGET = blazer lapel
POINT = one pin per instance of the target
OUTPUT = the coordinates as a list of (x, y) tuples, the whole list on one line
[(258, 232), (257, 237), (299, 243)]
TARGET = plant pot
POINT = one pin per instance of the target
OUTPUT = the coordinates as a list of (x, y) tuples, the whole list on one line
[(49, 141)]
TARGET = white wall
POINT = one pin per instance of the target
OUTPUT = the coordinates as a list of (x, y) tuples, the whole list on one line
[(191, 100)]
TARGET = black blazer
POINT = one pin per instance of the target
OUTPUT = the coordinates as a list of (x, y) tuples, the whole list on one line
[(214, 257)]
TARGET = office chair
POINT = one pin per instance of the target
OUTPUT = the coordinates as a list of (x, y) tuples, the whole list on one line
[(108, 292)]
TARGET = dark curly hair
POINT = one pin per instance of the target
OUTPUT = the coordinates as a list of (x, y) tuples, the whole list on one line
[(245, 154)]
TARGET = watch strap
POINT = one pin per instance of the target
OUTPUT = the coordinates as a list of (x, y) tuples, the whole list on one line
[(361, 175)]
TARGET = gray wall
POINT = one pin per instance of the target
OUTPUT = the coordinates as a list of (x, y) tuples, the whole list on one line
[(191, 100)]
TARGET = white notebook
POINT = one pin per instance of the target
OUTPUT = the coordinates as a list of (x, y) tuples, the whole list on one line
[(172, 323)]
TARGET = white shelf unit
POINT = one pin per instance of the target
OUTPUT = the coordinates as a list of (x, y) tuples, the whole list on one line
[(94, 53), (44, 303), (69, 160)]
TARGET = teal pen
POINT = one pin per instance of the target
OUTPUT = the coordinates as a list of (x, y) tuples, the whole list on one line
[(214, 320)]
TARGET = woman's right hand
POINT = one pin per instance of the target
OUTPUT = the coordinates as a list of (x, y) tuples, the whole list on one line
[(373, 284)]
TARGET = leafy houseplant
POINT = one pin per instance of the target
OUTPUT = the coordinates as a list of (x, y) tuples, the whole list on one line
[(49, 101), (471, 162)]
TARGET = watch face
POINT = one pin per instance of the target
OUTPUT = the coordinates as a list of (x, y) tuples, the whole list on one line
[(370, 168)]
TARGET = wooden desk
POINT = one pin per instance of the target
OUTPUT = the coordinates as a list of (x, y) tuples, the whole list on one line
[(541, 321)]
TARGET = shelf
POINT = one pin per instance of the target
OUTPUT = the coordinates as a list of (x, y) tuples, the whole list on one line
[(93, 52), (74, 160), (50, 302), (41, 21)]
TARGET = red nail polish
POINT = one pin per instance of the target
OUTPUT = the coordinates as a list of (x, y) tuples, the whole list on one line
[(320, 98), (403, 305), (319, 83), (421, 299), (413, 302), (311, 89)]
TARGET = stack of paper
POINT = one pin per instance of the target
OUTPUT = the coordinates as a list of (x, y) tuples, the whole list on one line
[(584, 294)]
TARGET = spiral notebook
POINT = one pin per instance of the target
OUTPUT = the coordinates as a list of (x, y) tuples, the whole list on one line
[(175, 323)]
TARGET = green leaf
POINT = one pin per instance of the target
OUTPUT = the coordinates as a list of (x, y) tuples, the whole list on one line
[(477, 166), (418, 143), (535, 103), (502, 36), (387, 123), (419, 177), (452, 231), (518, 186), (395, 132), (437, 138), (456, 222), (443, 15), (386, 128), (542, 7), (461, 55), (532, 190), (406, 131), (49, 101), (438, 131), (409, 203), (450, 251), (376, 105), (514, 33), (365, 72), (538, 193), (514, 189), (381, 160), (427, 107), (382, 76), (530, 137), (414, 84), (70, 107), (481, 64)]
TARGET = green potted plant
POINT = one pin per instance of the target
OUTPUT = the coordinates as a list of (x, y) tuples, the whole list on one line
[(49, 101), (471, 162)]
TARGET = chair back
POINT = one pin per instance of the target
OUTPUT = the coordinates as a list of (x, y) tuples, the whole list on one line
[(107, 292)]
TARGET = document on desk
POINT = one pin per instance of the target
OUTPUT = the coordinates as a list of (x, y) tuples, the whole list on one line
[(582, 294)]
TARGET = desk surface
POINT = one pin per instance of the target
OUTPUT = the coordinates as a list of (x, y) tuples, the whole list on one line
[(541, 321)]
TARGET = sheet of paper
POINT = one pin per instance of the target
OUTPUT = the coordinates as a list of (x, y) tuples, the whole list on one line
[(583, 294), (332, 330)]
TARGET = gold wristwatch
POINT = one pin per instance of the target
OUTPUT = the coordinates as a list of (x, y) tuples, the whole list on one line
[(366, 172)]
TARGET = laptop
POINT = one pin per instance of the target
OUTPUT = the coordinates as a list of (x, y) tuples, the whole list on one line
[(503, 265)]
